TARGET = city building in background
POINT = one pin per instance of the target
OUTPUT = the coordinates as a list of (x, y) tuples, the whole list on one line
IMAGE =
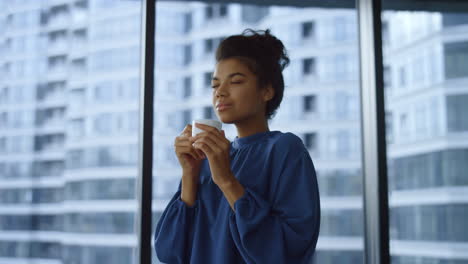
[(69, 85), (69, 100), (426, 88)]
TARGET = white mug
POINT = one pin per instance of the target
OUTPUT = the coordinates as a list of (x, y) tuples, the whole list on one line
[(208, 122)]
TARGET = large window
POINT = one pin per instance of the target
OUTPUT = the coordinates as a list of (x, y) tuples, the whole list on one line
[(69, 85), (427, 151), (321, 103), (69, 120)]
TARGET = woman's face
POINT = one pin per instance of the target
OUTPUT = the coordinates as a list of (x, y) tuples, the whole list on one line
[(236, 96)]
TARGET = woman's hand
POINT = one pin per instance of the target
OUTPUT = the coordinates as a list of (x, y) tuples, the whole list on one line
[(189, 158), (215, 146)]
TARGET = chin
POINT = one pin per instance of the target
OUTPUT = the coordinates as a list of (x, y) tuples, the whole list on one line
[(226, 120)]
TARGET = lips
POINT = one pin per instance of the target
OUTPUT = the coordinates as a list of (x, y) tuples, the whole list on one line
[(222, 106)]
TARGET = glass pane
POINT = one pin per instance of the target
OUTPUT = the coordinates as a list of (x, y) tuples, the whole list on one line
[(426, 100), (69, 84), (321, 102)]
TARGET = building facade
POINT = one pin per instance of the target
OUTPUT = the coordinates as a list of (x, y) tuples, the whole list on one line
[(69, 101)]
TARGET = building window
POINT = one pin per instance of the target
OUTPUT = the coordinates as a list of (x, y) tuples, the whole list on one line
[(456, 60), (450, 20), (3, 144), (3, 120), (187, 87), (402, 72), (308, 30), (186, 117), (254, 14), (385, 33), (340, 29), (208, 112), (4, 95), (404, 124), (187, 22), (76, 128), (387, 77), (420, 120), (75, 159), (209, 12), (187, 54), (103, 124), (418, 66), (457, 107), (308, 66), (211, 44), (223, 10), (344, 143), (103, 93), (342, 101), (310, 141), (208, 45), (310, 103), (207, 79), (216, 11), (389, 127)]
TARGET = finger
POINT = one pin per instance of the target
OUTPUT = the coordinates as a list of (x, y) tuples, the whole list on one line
[(182, 141), (209, 141), (200, 153), (187, 130), (205, 141), (197, 154), (187, 146), (188, 151), (208, 150)]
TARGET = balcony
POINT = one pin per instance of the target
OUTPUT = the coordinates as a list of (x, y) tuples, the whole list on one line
[(51, 120), (57, 47), (52, 153), (57, 73), (55, 99), (59, 22)]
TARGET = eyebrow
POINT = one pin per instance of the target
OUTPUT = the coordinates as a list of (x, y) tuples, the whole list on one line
[(230, 75)]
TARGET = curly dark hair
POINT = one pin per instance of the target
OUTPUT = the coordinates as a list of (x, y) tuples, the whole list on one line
[(265, 55)]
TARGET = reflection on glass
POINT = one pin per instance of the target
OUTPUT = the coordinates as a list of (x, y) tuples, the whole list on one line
[(69, 73), (321, 102), (426, 77)]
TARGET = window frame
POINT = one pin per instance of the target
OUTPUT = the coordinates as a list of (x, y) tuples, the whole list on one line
[(376, 211)]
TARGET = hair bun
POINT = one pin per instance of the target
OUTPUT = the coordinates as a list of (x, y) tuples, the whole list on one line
[(269, 44)]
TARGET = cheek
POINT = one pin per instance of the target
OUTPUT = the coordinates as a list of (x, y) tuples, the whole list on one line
[(248, 104)]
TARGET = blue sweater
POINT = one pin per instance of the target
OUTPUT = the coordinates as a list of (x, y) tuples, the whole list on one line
[(276, 221)]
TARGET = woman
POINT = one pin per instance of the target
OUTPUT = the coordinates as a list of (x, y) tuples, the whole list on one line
[(253, 200)]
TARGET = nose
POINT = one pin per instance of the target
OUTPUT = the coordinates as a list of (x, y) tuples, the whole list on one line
[(221, 90)]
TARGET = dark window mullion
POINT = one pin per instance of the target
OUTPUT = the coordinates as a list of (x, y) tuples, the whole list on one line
[(144, 187), (376, 222)]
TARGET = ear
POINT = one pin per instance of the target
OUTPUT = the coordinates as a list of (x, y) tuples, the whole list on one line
[(268, 93)]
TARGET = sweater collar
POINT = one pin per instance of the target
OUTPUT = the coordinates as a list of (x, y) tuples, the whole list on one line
[(248, 140)]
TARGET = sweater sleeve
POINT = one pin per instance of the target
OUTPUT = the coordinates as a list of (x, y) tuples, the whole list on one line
[(174, 231), (284, 230)]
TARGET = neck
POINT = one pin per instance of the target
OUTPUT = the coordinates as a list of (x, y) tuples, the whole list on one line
[(251, 127)]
